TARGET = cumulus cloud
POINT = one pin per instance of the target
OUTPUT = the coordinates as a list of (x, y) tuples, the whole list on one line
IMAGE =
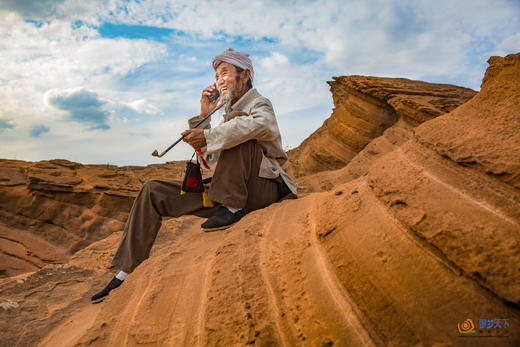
[(38, 130), (31, 8), (372, 35), (82, 105), (510, 44), (59, 54), (4, 124), (291, 86), (142, 106), (50, 46)]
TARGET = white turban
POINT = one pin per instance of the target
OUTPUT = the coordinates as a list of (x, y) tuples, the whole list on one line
[(240, 59)]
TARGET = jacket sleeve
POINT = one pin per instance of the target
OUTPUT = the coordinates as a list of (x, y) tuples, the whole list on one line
[(260, 124), (195, 119), (210, 158)]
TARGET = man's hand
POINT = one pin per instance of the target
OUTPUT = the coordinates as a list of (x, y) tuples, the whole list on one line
[(195, 138), (206, 106)]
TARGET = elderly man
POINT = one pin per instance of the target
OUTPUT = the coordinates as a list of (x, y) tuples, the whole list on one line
[(247, 149)]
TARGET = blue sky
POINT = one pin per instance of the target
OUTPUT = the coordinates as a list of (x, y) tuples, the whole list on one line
[(110, 81)]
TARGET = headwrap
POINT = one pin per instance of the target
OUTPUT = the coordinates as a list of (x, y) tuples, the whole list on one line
[(240, 59)]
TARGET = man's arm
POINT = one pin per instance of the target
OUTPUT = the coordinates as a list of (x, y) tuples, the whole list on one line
[(260, 124)]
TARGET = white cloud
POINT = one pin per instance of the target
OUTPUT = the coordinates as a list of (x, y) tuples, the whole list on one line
[(340, 30), (510, 44), (38, 130), (143, 106), (81, 105), (34, 9), (295, 46), (289, 85), (38, 58), (114, 57)]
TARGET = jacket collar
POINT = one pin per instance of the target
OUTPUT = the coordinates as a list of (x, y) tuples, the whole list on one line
[(249, 96)]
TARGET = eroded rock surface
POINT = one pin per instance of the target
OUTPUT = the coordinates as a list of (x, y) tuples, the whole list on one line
[(364, 109), (424, 238), (51, 209)]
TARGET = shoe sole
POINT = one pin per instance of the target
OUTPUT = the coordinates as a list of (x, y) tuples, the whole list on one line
[(224, 227), (97, 301)]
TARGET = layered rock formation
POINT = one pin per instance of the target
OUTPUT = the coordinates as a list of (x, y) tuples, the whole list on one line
[(51, 209), (426, 237), (364, 109)]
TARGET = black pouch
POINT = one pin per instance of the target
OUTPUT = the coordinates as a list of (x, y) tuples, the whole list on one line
[(192, 182), (283, 190)]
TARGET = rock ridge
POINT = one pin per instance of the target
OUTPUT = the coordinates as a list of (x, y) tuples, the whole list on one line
[(364, 108)]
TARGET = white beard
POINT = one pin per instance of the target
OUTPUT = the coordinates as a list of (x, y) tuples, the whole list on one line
[(228, 97), (218, 118)]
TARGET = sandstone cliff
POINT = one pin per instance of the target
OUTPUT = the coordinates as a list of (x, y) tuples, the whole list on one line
[(425, 237), (364, 109), (51, 209)]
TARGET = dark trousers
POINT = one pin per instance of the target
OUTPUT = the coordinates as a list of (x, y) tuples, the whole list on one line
[(235, 183)]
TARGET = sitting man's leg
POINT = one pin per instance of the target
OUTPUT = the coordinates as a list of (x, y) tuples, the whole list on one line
[(155, 200), (237, 187)]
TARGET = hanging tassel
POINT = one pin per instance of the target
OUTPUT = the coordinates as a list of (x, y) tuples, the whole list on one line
[(199, 153), (206, 202)]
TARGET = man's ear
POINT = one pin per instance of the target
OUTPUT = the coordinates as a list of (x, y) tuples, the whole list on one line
[(246, 75)]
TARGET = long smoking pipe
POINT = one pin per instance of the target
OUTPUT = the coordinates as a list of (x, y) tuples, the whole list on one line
[(156, 154)]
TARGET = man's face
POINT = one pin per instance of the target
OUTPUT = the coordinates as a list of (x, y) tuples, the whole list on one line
[(229, 84)]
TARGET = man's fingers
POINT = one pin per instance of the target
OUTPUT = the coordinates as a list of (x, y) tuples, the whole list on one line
[(186, 135), (189, 136), (208, 89), (194, 137)]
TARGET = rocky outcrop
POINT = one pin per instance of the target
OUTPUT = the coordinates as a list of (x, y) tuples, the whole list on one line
[(364, 109), (405, 253), (51, 209)]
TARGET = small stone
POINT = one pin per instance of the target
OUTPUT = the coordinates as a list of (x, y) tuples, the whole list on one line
[(8, 304)]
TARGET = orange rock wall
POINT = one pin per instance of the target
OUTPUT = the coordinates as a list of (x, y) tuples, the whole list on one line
[(65, 206), (364, 108)]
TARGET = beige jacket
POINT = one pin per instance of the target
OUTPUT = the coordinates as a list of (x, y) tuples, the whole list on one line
[(260, 124)]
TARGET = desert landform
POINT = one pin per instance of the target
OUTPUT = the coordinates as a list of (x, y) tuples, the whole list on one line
[(407, 225)]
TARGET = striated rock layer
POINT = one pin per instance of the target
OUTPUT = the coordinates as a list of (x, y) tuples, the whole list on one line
[(364, 108), (427, 238), (51, 209)]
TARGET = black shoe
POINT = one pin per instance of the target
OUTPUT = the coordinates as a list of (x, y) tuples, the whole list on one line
[(114, 283), (222, 219)]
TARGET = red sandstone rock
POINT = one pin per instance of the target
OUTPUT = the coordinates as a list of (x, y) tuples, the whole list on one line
[(64, 206), (422, 235), (364, 108)]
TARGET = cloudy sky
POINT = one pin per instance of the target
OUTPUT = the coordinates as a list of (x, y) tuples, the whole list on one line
[(109, 81)]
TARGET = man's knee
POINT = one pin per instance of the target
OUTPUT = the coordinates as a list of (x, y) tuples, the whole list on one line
[(150, 186)]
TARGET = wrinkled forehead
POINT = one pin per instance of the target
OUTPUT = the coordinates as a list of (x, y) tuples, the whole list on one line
[(224, 67)]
